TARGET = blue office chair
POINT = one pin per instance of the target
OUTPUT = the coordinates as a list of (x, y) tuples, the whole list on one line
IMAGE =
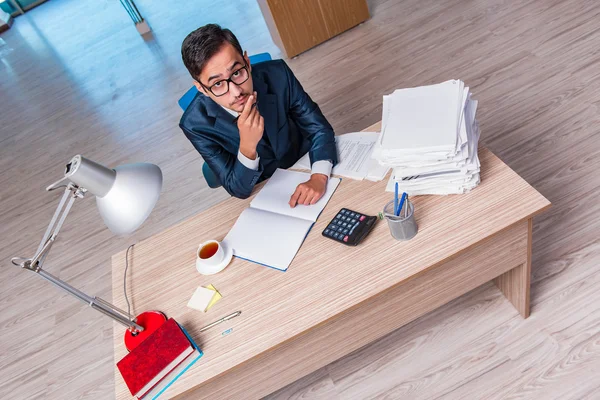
[(184, 103)]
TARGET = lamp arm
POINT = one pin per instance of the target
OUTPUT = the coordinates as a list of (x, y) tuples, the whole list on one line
[(56, 223), (35, 264), (97, 303)]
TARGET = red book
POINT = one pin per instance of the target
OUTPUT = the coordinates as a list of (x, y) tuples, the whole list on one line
[(154, 358)]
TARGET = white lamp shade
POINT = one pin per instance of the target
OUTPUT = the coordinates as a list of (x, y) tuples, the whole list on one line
[(131, 198)]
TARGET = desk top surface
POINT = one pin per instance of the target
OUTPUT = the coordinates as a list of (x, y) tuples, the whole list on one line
[(325, 279)]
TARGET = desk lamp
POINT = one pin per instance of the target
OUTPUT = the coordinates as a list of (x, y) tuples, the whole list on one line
[(125, 196)]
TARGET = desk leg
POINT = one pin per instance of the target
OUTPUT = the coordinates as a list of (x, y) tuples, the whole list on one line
[(515, 283)]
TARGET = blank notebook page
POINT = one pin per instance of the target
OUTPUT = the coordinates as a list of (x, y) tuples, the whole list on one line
[(276, 194), (267, 238)]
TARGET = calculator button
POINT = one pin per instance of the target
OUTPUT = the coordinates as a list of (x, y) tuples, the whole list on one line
[(339, 235), (362, 218), (326, 231), (345, 231), (333, 227), (339, 228), (345, 238)]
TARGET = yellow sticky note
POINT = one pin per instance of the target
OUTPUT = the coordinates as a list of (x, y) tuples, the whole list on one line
[(214, 299)]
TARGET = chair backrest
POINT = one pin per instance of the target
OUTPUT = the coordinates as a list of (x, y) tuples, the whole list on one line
[(187, 98)]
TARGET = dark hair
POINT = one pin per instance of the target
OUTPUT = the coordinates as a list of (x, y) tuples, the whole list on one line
[(203, 43)]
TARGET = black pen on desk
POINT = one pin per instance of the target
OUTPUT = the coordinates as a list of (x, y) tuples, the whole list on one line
[(226, 318)]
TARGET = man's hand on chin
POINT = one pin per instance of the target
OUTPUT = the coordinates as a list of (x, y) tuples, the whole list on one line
[(310, 191)]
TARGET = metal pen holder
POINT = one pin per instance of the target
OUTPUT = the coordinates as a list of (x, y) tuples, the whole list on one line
[(403, 226)]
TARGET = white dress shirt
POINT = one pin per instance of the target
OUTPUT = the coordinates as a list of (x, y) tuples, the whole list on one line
[(318, 167)]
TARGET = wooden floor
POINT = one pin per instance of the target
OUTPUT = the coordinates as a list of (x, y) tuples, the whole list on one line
[(75, 77)]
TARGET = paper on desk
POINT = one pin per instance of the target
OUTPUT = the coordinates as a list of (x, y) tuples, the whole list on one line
[(376, 171), (218, 296), (354, 157), (410, 124), (354, 154), (276, 194), (201, 299)]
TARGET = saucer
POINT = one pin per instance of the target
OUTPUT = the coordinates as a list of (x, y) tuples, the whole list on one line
[(213, 269)]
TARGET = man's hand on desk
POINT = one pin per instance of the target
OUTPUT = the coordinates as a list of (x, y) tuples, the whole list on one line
[(251, 126), (310, 191)]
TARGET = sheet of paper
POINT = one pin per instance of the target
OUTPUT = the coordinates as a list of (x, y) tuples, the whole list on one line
[(267, 238), (426, 117), (276, 194), (215, 298), (462, 137), (377, 172), (201, 299), (354, 156)]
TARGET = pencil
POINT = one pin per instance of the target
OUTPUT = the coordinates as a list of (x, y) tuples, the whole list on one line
[(396, 199), (402, 200)]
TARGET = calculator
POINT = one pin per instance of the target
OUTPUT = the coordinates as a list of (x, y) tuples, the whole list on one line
[(349, 227)]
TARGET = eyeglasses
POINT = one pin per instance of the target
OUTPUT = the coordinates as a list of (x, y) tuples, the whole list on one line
[(221, 87)]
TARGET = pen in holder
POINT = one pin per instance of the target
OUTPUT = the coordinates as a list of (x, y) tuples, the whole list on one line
[(403, 226)]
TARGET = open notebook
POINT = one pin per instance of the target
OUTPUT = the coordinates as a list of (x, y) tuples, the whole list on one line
[(270, 232)]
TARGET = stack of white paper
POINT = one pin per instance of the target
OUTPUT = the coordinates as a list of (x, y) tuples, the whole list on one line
[(429, 136), (354, 157)]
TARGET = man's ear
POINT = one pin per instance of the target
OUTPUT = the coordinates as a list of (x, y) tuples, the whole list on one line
[(200, 87)]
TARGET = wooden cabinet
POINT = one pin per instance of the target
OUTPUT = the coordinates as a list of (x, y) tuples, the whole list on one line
[(298, 25), (5, 20)]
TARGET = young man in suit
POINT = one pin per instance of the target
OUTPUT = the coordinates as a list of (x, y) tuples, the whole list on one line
[(247, 121)]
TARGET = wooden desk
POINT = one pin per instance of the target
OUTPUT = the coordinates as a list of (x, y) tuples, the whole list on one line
[(333, 299)]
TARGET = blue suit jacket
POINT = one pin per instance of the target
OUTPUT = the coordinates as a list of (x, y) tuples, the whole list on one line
[(294, 125)]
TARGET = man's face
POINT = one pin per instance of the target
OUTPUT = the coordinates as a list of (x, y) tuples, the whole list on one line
[(221, 66)]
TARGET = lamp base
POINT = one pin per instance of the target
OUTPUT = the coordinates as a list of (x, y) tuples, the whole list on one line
[(151, 321)]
